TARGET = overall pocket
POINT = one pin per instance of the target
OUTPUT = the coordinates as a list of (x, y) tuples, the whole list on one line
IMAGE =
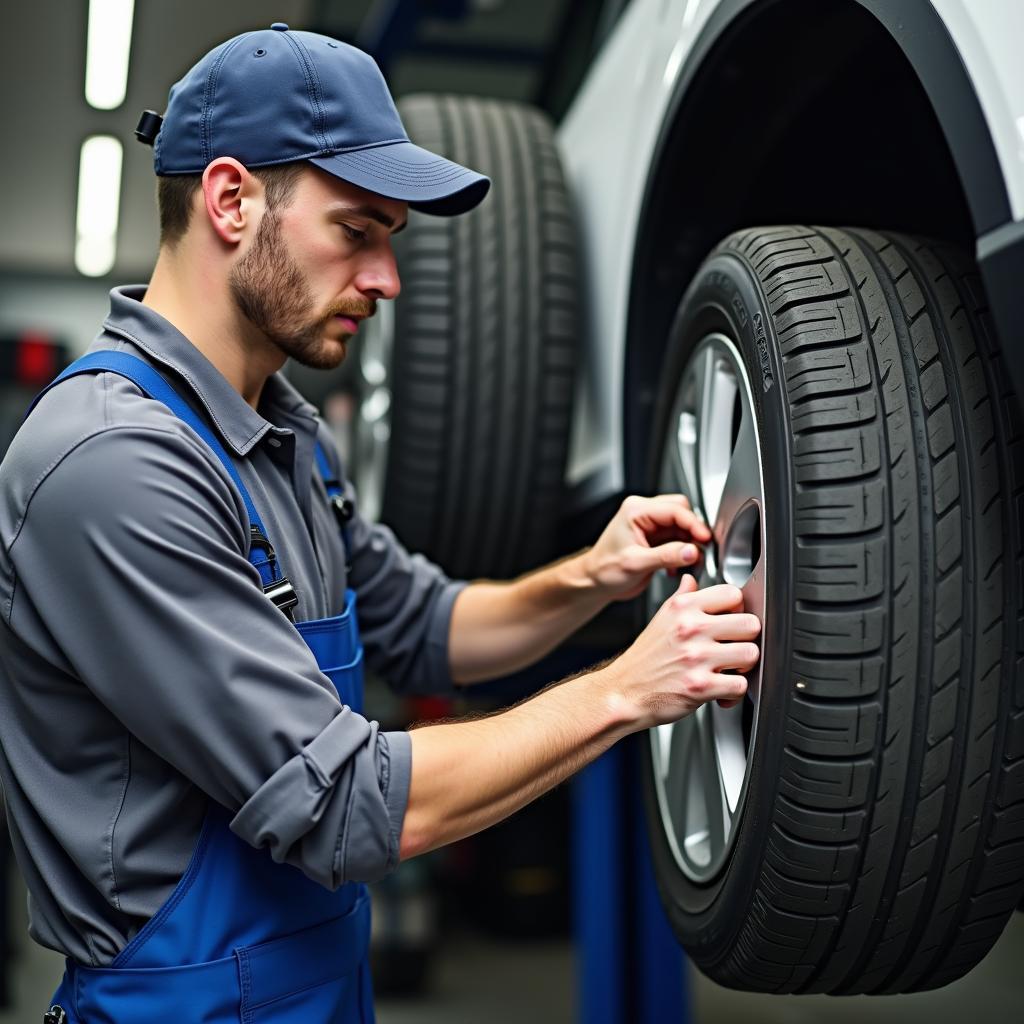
[(312, 975)]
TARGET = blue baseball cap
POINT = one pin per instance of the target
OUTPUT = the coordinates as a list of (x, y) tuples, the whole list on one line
[(274, 96)]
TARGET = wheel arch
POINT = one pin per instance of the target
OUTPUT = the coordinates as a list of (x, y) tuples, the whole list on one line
[(773, 120)]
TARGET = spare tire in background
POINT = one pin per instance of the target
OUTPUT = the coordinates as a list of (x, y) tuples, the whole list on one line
[(465, 385), (837, 402)]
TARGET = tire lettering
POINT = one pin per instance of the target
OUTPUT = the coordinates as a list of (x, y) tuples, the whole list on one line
[(739, 309), (761, 338)]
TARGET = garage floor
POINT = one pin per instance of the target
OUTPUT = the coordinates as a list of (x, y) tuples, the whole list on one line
[(479, 979)]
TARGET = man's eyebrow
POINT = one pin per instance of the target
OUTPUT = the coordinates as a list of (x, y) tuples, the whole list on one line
[(365, 210)]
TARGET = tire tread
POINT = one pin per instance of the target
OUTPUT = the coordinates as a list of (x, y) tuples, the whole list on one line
[(901, 796)]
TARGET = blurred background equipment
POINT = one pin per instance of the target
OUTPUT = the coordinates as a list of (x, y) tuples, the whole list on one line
[(532, 51), (28, 361)]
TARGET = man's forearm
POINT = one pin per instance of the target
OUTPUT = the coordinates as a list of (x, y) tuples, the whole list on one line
[(469, 775), (497, 628)]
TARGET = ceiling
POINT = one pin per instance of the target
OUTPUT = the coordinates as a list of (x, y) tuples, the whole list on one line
[(44, 116)]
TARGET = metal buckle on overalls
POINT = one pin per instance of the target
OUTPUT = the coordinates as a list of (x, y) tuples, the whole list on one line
[(55, 1015), (281, 591)]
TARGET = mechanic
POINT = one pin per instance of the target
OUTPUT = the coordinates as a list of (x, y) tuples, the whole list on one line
[(194, 797)]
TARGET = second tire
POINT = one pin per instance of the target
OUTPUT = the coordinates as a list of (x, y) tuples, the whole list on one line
[(475, 376)]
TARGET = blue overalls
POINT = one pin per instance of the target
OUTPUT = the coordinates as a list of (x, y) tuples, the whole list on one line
[(242, 938)]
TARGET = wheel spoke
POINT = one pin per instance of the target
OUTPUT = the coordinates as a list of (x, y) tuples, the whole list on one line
[(714, 430), (676, 740), (663, 735), (741, 482), (703, 371), (684, 797), (682, 477), (730, 751), (680, 474), (712, 785)]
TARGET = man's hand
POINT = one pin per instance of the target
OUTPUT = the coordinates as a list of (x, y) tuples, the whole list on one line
[(645, 535), (682, 659), (499, 628)]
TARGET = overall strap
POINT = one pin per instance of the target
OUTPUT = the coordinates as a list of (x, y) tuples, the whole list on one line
[(153, 384), (343, 507)]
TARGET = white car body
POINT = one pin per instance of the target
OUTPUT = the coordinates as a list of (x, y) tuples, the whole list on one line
[(608, 143)]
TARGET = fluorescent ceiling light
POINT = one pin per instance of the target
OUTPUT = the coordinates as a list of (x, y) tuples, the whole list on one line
[(99, 193), (106, 58)]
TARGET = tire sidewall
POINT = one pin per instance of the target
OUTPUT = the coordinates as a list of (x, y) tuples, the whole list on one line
[(725, 296)]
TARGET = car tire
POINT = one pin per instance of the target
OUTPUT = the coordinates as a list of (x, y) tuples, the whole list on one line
[(876, 844), (465, 387)]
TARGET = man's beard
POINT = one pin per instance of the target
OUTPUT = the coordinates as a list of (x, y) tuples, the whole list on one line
[(270, 291)]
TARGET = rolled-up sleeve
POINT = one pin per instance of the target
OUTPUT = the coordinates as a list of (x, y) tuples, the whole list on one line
[(133, 548)]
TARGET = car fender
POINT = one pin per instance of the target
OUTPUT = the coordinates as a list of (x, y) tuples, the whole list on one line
[(610, 140)]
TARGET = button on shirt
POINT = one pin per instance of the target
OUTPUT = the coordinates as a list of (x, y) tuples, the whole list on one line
[(143, 671)]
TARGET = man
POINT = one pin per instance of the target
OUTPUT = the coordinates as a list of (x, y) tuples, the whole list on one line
[(192, 793)]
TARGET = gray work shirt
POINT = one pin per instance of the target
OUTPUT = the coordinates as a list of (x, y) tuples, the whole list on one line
[(142, 669)]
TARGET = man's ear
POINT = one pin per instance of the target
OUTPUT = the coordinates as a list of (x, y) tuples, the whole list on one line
[(228, 191)]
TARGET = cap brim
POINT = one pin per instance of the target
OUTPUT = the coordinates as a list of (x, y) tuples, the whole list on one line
[(401, 170)]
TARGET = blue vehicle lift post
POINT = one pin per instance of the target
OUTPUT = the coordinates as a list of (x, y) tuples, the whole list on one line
[(630, 969)]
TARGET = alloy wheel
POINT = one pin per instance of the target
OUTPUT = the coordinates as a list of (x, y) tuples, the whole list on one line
[(701, 763)]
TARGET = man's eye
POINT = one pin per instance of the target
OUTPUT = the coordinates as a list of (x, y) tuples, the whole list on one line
[(356, 236)]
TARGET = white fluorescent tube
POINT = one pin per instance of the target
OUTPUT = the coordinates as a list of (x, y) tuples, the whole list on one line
[(108, 48), (99, 193)]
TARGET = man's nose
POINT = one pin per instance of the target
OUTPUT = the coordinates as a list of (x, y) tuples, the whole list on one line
[(379, 279)]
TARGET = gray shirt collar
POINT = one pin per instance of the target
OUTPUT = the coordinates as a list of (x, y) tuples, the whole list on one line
[(237, 422)]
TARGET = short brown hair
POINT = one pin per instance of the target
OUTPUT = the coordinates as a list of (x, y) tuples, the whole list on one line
[(175, 194)]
